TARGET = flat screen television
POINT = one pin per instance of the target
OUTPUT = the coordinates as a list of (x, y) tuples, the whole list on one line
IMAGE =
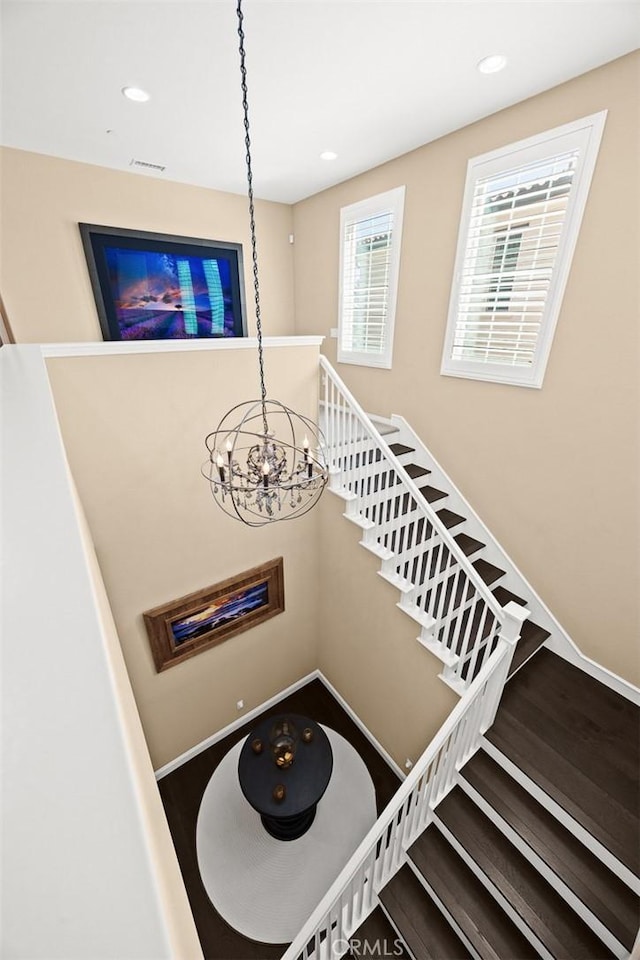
[(153, 286)]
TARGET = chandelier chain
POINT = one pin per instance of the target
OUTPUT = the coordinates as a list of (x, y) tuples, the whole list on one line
[(252, 221), (257, 474)]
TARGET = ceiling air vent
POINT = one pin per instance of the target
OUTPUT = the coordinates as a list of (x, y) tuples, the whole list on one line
[(146, 165)]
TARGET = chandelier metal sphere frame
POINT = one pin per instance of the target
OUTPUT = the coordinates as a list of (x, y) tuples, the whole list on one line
[(261, 475), (266, 462)]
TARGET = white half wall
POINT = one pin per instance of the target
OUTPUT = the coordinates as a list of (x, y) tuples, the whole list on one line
[(88, 870)]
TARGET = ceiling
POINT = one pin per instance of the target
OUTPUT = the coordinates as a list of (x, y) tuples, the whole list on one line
[(368, 79)]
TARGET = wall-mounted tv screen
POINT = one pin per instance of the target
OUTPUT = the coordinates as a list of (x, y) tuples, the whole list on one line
[(152, 286)]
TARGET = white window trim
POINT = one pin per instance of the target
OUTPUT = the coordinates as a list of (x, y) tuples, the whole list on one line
[(585, 134), (391, 200)]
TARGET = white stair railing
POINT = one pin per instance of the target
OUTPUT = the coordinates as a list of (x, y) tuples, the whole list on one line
[(354, 894), (440, 588)]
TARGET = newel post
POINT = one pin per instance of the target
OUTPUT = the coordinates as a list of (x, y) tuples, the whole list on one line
[(514, 617)]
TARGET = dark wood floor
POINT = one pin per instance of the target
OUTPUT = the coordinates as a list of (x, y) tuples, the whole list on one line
[(182, 791)]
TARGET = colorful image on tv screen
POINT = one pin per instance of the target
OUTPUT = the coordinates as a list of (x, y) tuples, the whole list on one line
[(165, 296)]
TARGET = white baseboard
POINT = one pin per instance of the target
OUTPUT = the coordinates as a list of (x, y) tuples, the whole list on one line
[(267, 705), (359, 723), (235, 725)]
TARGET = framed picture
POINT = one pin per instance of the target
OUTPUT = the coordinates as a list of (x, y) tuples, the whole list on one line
[(152, 286), (182, 628)]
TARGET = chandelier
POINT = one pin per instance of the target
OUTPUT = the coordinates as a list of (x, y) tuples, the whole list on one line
[(266, 462)]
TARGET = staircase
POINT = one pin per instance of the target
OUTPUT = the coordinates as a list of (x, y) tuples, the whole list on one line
[(517, 832), (536, 851), (532, 635)]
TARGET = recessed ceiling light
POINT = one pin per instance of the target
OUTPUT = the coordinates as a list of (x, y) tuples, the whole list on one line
[(136, 94), (328, 155), (492, 64)]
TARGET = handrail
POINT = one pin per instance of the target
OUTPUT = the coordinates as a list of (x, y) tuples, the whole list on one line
[(412, 488), (382, 852)]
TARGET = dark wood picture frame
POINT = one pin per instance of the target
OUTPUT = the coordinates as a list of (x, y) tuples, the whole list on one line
[(182, 628)]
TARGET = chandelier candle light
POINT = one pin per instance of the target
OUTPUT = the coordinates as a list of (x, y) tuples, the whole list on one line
[(273, 466)]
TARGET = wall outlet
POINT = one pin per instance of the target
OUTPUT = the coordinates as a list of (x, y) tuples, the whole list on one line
[(240, 705), (334, 333), (408, 764)]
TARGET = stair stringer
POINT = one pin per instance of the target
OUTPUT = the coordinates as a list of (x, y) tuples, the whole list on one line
[(514, 580)]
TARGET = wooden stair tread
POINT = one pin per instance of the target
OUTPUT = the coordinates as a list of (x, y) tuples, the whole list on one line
[(468, 544), (422, 925), (543, 910), (400, 449), (415, 471), (488, 571), (432, 494), (377, 937), (449, 518), (531, 639), (478, 915), (503, 596), (605, 895), (580, 742)]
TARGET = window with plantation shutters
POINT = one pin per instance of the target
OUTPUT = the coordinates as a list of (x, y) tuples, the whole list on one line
[(522, 211), (370, 234)]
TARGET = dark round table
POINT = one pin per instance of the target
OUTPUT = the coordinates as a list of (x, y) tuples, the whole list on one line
[(305, 781)]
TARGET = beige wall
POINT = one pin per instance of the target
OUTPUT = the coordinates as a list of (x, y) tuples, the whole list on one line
[(553, 472), (368, 647), (134, 427), (43, 271)]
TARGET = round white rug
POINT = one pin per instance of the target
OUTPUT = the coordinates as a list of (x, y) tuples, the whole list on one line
[(267, 888)]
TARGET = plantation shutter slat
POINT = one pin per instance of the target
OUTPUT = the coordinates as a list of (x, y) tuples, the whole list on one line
[(366, 257), (514, 235), (369, 257), (521, 214)]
